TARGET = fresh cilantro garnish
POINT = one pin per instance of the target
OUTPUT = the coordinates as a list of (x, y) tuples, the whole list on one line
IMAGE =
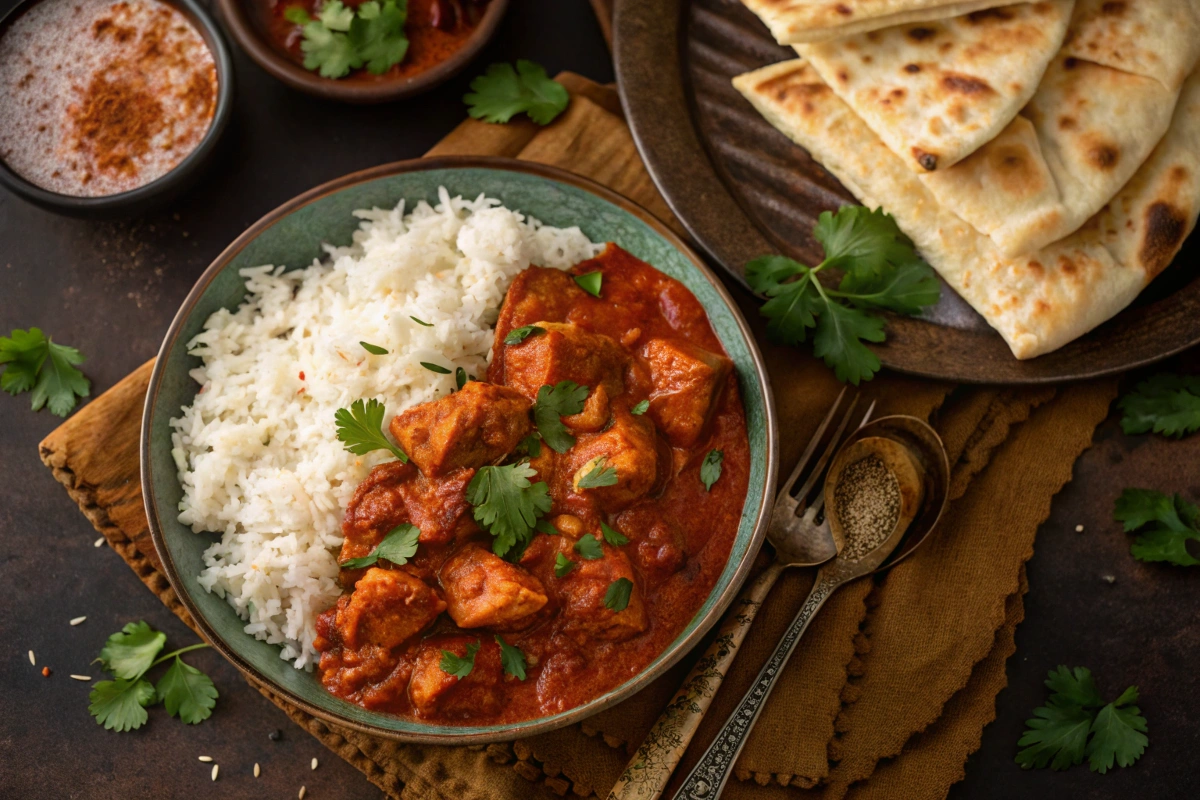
[(129, 654), (518, 335), (543, 526), (613, 536), (590, 282), (554, 403), (438, 368), (502, 92), (459, 666), (1168, 526), (599, 475), (640, 408), (1166, 404), (398, 547), (506, 505), (617, 596), (341, 39), (589, 547), (373, 349), (710, 468), (512, 659), (1058, 735), (460, 377), (880, 270), (562, 565), (360, 428), (33, 361), (531, 445), (421, 321)]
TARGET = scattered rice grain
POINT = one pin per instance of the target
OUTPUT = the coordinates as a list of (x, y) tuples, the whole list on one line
[(216, 769), (78, 621), (314, 763), (32, 660), (98, 542), (303, 791), (206, 759), (82, 677), (1079, 529), (257, 771)]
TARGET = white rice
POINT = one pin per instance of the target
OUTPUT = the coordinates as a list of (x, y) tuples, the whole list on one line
[(257, 451)]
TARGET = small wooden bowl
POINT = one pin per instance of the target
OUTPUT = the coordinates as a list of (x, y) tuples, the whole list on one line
[(236, 16)]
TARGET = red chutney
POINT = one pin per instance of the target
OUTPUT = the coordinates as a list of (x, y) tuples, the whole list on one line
[(645, 339), (436, 29)]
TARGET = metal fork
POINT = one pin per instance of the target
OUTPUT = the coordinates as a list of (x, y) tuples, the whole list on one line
[(801, 538)]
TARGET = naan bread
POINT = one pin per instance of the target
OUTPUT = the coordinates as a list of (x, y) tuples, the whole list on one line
[(1083, 135), (936, 92), (797, 21), (1037, 302)]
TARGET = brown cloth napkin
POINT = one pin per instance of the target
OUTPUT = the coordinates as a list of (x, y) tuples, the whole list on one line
[(891, 688)]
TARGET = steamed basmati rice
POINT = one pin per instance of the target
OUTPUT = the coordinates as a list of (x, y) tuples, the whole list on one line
[(257, 452)]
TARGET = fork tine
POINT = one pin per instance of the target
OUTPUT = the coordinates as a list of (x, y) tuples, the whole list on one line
[(819, 470), (785, 492), (820, 501)]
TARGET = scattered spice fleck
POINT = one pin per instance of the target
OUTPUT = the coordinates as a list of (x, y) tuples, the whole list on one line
[(45, 672), (77, 621), (98, 542), (1109, 579), (216, 769), (32, 660), (206, 759), (314, 763), (867, 503), (82, 677), (257, 771), (1079, 529)]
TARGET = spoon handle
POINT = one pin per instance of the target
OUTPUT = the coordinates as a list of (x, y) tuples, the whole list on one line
[(708, 778), (650, 768)]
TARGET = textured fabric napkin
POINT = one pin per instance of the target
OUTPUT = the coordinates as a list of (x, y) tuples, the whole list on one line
[(894, 681)]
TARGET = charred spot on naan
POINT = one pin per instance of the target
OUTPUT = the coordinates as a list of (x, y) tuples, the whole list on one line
[(922, 33), (965, 84), (1166, 227)]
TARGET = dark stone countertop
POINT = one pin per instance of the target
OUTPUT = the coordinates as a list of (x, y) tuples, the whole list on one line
[(111, 289)]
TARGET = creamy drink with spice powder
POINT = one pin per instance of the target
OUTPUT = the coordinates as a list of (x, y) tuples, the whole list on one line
[(100, 97)]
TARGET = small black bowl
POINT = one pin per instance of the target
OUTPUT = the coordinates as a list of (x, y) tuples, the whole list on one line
[(155, 193)]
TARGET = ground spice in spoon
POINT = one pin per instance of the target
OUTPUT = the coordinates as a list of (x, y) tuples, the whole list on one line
[(867, 503)]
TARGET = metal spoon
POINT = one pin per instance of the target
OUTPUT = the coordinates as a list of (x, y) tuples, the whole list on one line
[(916, 456)]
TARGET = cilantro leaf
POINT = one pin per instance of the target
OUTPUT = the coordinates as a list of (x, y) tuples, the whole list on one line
[(506, 504), (377, 33), (130, 652), (32, 361), (336, 16), (543, 526), (1166, 404), (518, 335), (373, 349), (591, 282), (710, 468), (554, 403), (531, 445), (599, 475), (187, 693), (617, 596), (421, 322), (329, 52), (1074, 687), (880, 270), (459, 666), (1056, 737), (361, 429), (562, 565), (460, 378), (502, 92), (1119, 733), (640, 408), (438, 368), (512, 659), (1166, 525), (120, 705), (589, 547), (398, 547), (613, 536)]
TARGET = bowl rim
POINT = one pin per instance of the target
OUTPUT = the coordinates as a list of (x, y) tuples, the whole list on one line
[(242, 29), (678, 649), (182, 172)]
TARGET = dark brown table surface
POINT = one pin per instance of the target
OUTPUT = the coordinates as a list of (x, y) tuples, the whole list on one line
[(111, 289)]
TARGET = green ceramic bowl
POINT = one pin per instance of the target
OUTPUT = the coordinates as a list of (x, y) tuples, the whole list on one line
[(292, 235)]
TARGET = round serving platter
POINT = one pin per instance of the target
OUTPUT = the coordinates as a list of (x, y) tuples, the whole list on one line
[(743, 189)]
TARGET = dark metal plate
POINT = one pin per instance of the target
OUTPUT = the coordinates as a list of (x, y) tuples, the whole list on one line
[(743, 189)]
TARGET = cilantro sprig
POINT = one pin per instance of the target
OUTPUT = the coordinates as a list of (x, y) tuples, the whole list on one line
[(710, 468), (589, 548), (880, 271), (562, 565), (360, 429), (1076, 723), (599, 474), (613, 536), (459, 666), (398, 547), (511, 658), (518, 335), (503, 92), (1168, 526), (341, 39), (1166, 404), (33, 362), (616, 598), (507, 505), (120, 704), (553, 403)]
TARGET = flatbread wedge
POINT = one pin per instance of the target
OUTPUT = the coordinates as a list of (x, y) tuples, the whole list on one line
[(799, 21), (1037, 302), (1155, 38), (935, 92)]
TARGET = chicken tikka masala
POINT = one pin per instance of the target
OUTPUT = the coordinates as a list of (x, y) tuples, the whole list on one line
[(557, 525)]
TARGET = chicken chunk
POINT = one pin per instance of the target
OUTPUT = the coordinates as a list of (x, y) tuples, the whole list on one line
[(439, 507), (432, 690), (687, 382), (582, 592), (485, 590), (565, 352), (470, 428), (630, 447), (386, 608)]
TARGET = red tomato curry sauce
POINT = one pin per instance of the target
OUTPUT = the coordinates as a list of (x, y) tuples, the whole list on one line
[(384, 645)]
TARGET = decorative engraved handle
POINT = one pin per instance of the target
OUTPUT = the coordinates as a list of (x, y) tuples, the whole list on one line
[(708, 778), (652, 765)]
